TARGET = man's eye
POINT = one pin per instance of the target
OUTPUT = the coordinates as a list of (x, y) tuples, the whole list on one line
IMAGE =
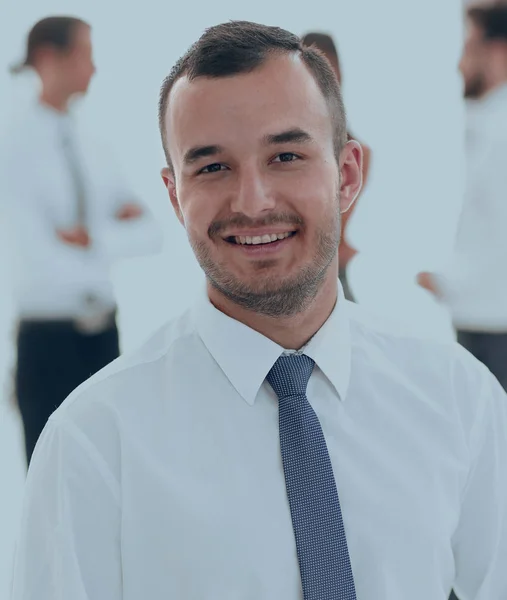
[(286, 157), (214, 168)]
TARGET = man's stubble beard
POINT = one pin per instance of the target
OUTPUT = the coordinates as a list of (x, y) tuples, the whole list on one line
[(275, 298)]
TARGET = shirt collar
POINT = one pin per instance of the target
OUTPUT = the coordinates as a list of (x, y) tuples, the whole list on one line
[(246, 356), (61, 121), (49, 112)]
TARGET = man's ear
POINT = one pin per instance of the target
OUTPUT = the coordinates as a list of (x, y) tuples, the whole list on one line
[(170, 184), (351, 170)]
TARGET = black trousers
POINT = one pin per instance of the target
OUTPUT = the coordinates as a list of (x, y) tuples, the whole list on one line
[(490, 349), (53, 358)]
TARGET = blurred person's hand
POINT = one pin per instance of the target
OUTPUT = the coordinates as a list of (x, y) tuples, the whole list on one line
[(129, 211), (427, 282), (77, 236)]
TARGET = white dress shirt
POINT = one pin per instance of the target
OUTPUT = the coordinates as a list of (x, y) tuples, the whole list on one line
[(52, 279), (475, 283), (161, 477)]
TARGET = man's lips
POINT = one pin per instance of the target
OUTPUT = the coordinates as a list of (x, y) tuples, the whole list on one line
[(259, 237), (258, 246)]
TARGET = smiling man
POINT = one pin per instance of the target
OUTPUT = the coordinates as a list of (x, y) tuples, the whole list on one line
[(261, 161), (271, 443)]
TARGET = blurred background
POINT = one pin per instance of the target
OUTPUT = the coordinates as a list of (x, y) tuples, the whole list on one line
[(403, 94)]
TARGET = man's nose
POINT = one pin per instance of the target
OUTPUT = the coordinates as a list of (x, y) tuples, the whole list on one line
[(253, 195)]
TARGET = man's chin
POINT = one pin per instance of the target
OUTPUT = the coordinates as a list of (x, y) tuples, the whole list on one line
[(253, 286), (254, 290)]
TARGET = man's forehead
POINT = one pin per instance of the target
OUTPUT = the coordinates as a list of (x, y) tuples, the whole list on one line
[(283, 80)]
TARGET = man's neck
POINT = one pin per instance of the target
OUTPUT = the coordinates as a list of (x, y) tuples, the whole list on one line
[(292, 333), (56, 101)]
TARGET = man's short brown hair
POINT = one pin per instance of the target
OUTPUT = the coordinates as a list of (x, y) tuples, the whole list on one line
[(492, 20), (55, 32)]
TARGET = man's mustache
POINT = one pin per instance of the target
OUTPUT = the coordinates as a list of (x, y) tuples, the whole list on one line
[(242, 221)]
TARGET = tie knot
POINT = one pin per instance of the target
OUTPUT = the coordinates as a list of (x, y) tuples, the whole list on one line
[(290, 375)]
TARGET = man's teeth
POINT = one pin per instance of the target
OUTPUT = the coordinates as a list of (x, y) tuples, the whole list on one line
[(264, 239)]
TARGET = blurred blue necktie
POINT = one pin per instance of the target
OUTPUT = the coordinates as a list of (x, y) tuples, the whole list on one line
[(76, 173), (324, 563)]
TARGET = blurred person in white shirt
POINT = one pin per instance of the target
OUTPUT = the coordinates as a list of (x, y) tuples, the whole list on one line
[(68, 215), (474, 284)]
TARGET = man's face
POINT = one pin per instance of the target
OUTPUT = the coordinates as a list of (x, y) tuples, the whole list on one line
[(257, 185), (473, 63), (75, 67)]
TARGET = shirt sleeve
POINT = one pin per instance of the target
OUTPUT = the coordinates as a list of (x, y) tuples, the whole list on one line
[(481, 246), (480, 540), (134, 237), (69, 547), (28, 214), (30, 222), (129, 238)]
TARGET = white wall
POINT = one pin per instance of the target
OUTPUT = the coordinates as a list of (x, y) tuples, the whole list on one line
[(402, 92)]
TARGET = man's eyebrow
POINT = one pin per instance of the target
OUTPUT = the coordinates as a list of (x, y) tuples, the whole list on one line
[(198, 152), (295, 135)]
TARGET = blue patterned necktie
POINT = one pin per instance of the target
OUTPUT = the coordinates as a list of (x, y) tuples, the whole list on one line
[(324, 563)]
